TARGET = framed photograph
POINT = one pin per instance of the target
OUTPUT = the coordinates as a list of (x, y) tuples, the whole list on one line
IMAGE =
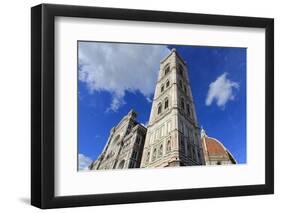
[(140, 106)]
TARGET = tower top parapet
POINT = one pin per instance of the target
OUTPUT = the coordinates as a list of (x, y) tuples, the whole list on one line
[(175, 53)]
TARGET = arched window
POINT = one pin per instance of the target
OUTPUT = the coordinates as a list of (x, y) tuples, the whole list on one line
[(184, 88), (167, 83), (166, 105), (162, 88), (159, 108), (154, 154), (168, 148), (147, 156), (182, 103), (160, 151), (167, 69), (121, 164)]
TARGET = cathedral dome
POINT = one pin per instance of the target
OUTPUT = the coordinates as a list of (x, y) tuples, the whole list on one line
[(215, 151), (214, 147)]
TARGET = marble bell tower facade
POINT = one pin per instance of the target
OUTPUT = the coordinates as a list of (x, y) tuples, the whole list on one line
[(173, 134)]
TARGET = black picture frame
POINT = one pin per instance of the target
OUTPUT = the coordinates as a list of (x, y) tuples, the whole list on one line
[(43, 102)]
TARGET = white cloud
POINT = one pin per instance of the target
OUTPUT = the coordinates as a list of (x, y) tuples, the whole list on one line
[(221, 91), (84, 162), (149, 99), (117, 68)]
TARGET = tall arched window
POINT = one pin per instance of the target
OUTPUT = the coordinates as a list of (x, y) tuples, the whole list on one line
[(162, 87), (180, 69), (168, 147), (166, 105), (154, 154), (160, 151), (167, 69), (167, 83), (159, 108)]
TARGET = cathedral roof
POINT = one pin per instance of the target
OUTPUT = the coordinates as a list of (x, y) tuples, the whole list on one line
[(216, 148)]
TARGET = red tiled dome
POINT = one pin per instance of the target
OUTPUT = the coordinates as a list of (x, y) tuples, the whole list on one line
[(214, 147)]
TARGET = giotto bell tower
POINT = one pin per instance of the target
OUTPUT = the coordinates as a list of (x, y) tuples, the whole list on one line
[(173, 135)]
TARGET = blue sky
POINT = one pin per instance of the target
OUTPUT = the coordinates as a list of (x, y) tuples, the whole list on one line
[(116, 77)]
